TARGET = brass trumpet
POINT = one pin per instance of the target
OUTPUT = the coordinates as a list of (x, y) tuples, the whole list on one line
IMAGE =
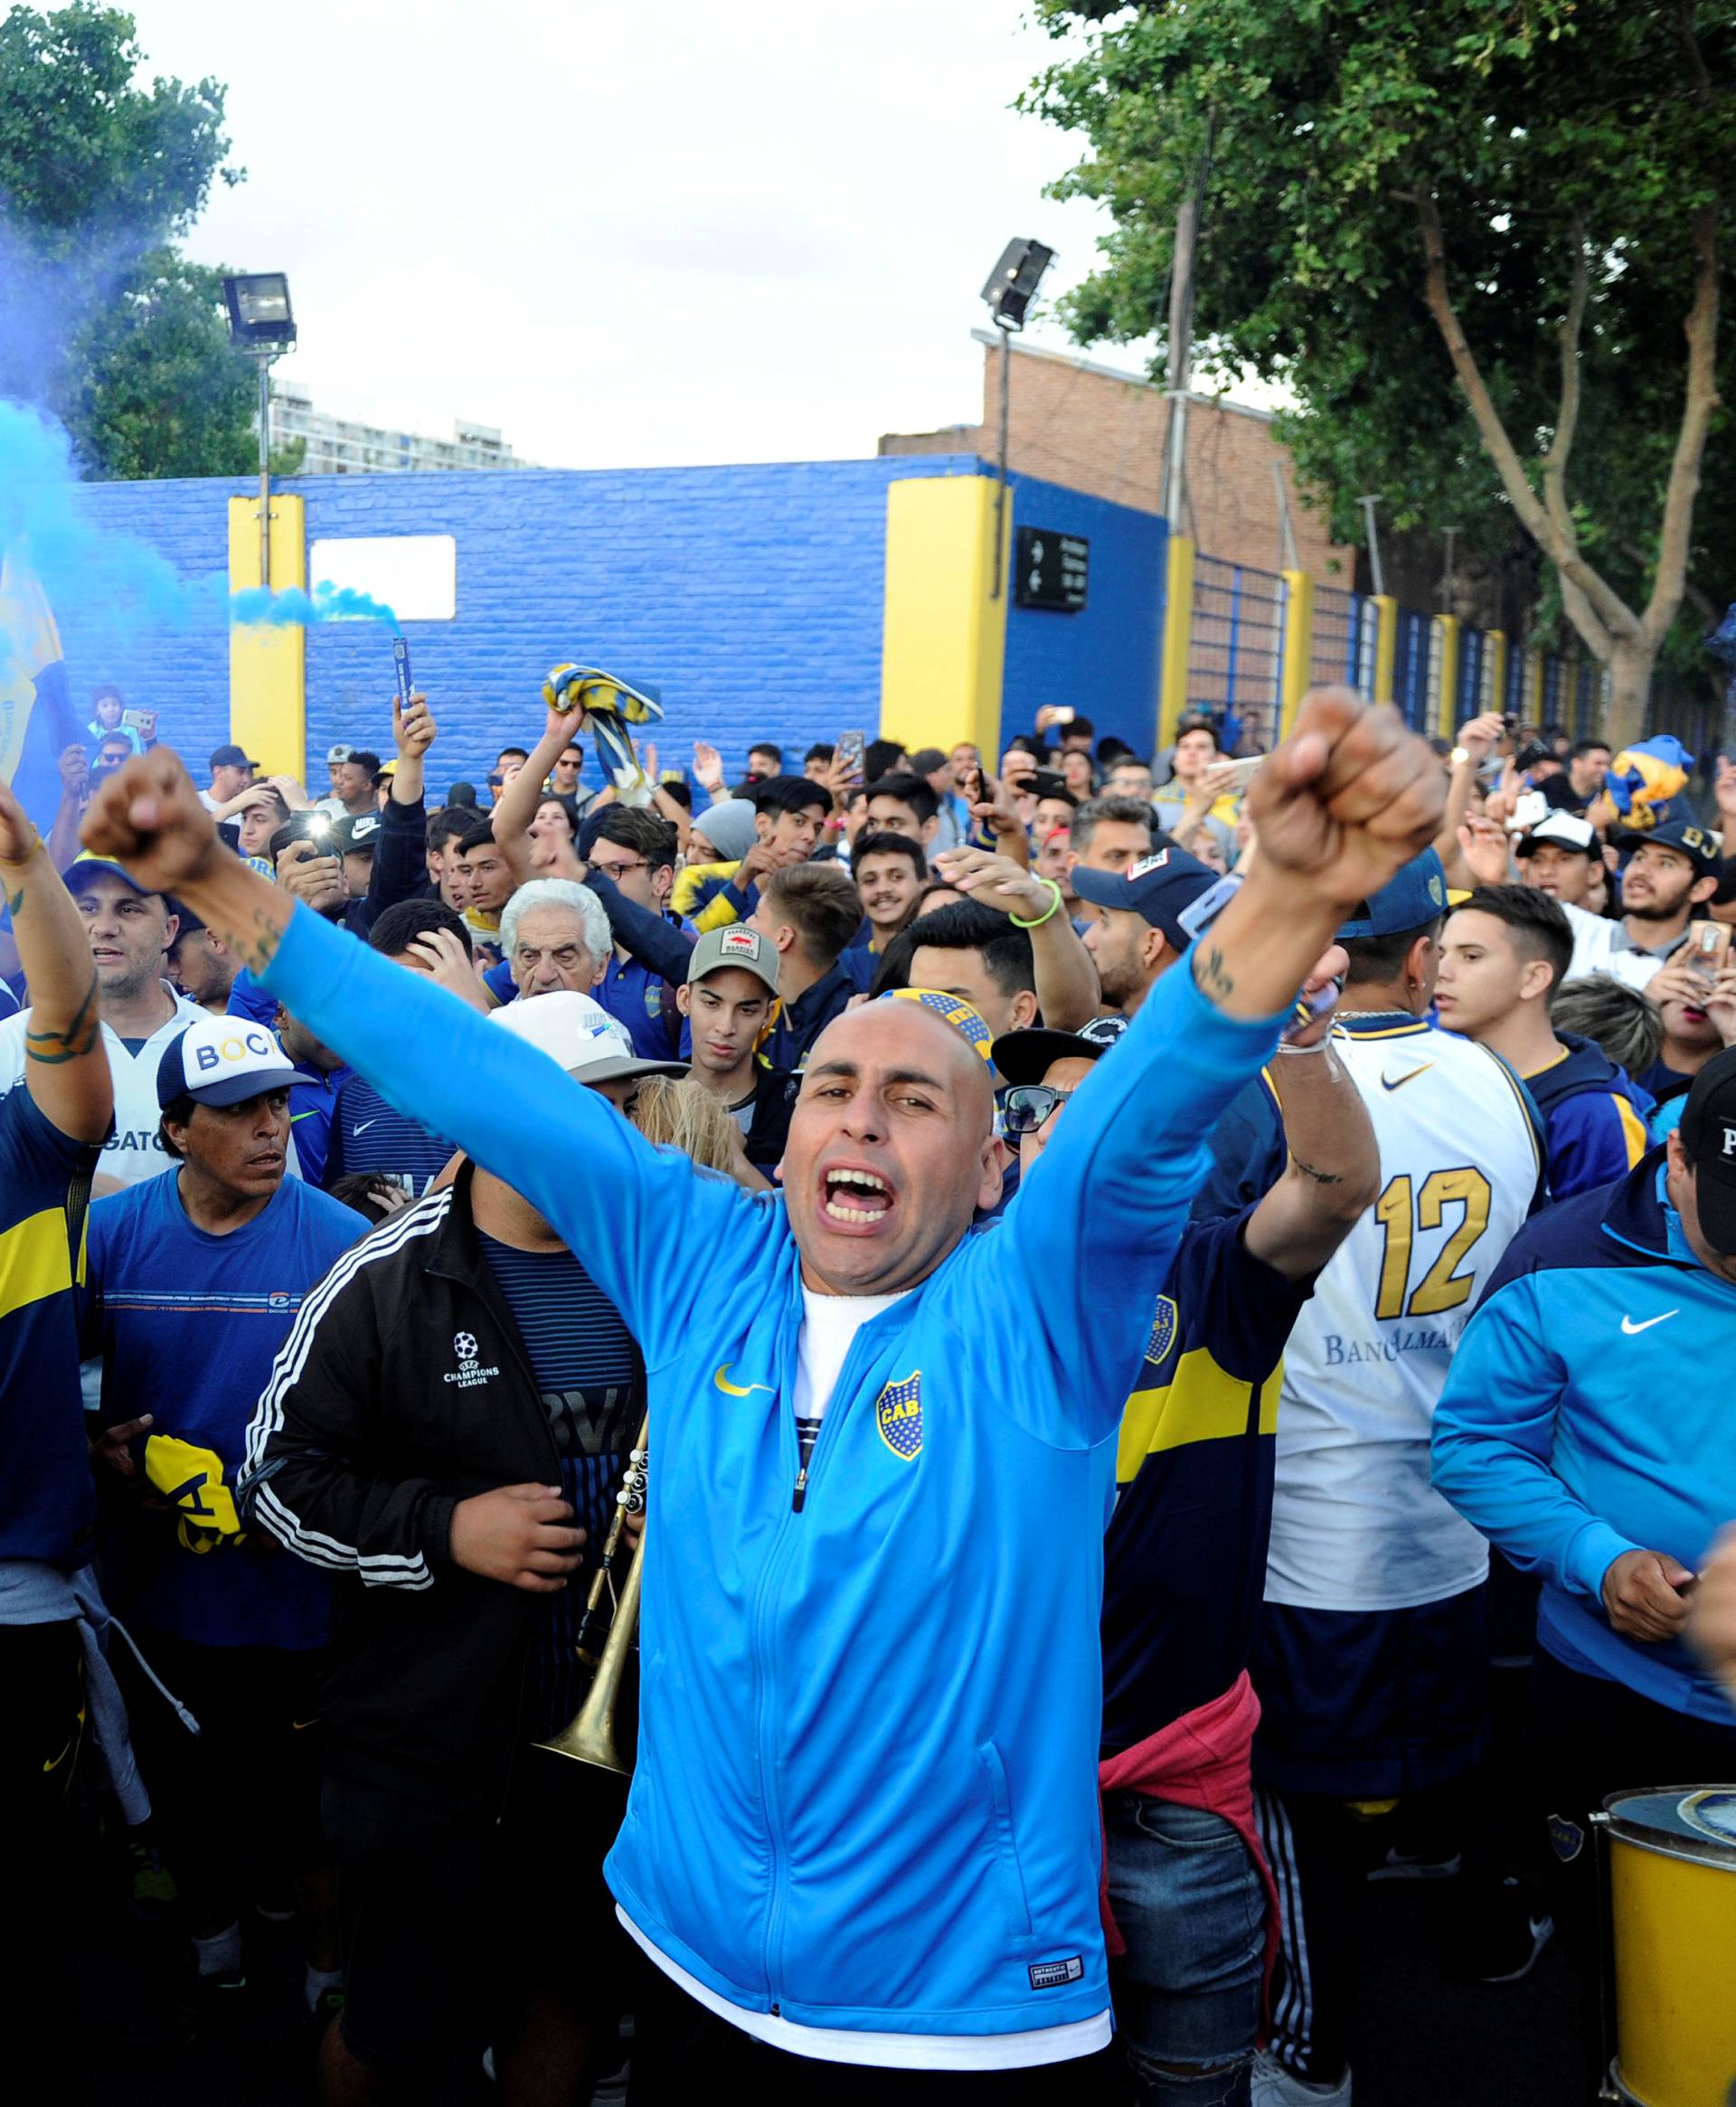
[(593, 1735)]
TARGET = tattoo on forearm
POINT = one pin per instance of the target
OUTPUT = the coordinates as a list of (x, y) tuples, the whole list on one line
[(1320, 1177), (14, 901), (1215, 980), (260, 946), (52, 1048)]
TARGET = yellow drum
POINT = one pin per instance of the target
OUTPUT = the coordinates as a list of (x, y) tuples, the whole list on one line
[(1671, 1864)]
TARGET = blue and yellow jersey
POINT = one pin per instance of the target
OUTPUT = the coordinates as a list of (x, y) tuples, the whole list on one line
[(47, 1503), (1185, 1559)]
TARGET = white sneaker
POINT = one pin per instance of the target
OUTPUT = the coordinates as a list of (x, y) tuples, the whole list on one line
[(1274, 2086)]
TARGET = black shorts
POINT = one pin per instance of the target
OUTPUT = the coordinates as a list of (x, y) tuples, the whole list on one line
[(1366, 1704), (446, 1922)]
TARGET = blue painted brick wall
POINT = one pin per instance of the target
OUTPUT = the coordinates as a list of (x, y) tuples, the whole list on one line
[(749, 596), (752, 597), (1105, 659)]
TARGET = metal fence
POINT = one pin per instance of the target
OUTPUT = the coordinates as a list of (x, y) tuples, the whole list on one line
[(1237, 675), (1235, 662), (1411, 660), (1346, 637)]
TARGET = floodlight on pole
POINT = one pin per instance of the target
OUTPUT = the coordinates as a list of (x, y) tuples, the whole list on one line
[(261, 324), (1008, 292)]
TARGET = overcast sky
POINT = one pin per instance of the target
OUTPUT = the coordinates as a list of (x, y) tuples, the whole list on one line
[(625, 236)]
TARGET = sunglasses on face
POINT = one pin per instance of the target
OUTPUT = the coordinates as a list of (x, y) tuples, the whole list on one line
[(1030, 1105)]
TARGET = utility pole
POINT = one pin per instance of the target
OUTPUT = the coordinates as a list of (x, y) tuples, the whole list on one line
[(1181, 347), (1286, 556), (1375, 575)]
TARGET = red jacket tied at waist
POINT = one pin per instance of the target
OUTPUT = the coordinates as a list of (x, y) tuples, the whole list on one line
[(1203, 1760)]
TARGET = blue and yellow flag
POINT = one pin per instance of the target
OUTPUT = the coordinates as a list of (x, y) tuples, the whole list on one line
[(37, 720), (1643, 778)]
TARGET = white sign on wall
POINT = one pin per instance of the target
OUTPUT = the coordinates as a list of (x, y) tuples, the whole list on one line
[(415, 575)]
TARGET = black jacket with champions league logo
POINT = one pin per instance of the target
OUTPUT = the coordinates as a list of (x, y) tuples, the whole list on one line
[(404, 1388)]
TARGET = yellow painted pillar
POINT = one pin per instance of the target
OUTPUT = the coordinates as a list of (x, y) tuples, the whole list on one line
[(1386, 644), (1178, 637), (1299, 645), (268, 666), (1442, 712), (944, 641), (1532, 704), (1495, 662)]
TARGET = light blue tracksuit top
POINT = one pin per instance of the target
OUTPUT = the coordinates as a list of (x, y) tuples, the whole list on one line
[(1587, 1413), (867, 1790)]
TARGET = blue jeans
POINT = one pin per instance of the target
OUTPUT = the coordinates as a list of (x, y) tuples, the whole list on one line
[(1190, 1905)]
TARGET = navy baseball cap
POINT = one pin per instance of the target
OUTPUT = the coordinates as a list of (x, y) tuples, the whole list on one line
[(231, 757), (1161, 887), (1026, 1056), (224, 1061), (355, 830), (1708, 1132), (1696, 843), (69, 877), (1418, 895)]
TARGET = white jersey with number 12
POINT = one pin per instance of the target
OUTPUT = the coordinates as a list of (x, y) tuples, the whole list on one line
[(1355, 1523)]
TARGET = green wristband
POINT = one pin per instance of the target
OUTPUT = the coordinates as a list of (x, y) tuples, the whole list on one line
[(1049, 913)]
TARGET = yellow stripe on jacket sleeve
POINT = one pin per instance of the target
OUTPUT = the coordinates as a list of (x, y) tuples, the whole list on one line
[(1633, 1130)]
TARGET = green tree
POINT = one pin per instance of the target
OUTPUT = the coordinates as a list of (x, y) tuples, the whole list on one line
[(1478, 240), (105, 325)]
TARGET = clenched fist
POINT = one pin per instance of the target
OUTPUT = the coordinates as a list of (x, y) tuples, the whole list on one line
[(147, 816), (1347, 799)]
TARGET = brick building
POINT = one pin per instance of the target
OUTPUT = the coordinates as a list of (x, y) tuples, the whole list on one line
[(1091, 429)]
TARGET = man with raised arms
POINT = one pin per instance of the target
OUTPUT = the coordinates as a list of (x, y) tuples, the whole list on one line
[(863, 1827)]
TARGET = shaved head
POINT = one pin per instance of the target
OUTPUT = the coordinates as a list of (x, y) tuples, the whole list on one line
[(945, 1052)]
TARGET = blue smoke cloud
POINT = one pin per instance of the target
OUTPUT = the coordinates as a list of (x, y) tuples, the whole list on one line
[(124, 610), (326, 603), (109, 589), (106, 587)]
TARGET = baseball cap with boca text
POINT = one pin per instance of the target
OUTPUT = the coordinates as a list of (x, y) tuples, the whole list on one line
[(224, 1061)]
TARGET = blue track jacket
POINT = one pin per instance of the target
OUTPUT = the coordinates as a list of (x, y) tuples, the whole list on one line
[(1587, 1413), (1593, 1118), (866, 1791)]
